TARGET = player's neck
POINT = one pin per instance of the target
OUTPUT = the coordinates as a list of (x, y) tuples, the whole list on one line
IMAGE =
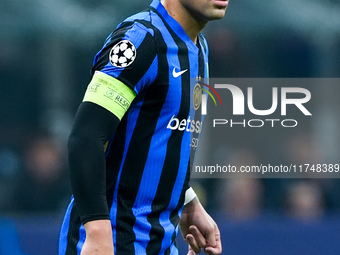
[(188, 22)]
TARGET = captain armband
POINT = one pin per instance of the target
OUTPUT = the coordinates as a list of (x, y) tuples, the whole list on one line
[(189, 195), (109, 93)]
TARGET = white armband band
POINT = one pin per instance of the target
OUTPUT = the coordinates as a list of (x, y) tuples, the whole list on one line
[(189, 196)]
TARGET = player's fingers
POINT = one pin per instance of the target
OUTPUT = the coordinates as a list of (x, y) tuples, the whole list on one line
[(199, 238), (213, 250), (217, 249), (190, 251), (210, 236), (192, 243)]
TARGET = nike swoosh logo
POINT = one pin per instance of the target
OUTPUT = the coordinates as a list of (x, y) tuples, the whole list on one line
[(177, 74)]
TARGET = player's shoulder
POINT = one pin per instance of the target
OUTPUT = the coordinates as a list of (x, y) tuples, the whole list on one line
[(136, 25), (129, 52), (134, 30)]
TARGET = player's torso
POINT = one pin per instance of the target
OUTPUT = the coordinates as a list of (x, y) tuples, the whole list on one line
[(157, 128), (148, 162)]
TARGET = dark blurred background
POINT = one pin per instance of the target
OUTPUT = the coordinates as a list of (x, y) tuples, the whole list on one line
[(46, 52)]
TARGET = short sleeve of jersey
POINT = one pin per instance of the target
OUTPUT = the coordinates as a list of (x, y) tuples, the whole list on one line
[(129, 55)]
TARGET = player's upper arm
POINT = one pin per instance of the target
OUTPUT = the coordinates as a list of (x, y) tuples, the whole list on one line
[(109, 93)]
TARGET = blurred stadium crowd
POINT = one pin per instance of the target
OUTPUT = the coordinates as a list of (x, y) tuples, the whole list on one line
[(46, 52)]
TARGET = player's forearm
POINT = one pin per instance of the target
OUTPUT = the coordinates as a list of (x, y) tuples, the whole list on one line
[(87, 174), (98, 238), (98, 229), (92, 128)]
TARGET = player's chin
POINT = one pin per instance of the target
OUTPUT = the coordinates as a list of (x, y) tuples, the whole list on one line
[(217, 14)]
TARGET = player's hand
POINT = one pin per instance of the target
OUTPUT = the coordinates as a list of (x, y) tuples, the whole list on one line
[(98, 238), (200, 230)]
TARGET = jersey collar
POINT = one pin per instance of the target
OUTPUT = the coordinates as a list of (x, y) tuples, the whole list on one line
[(175, 26)]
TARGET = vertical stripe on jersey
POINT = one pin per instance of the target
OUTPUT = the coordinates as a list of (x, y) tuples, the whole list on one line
[(202, 74), (136, 159), (174, 216), (170, 170), (73, 232)]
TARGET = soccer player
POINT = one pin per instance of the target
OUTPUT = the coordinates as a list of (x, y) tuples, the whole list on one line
[(129, 149)]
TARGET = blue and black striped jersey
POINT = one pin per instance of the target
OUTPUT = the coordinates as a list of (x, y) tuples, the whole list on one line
[(148, 157)]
